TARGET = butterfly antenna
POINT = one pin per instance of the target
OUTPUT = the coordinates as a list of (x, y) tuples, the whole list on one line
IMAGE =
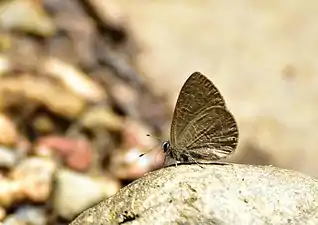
[(149, 135), (141, 155)]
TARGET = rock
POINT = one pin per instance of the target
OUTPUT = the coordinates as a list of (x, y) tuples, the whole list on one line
[(5, 64), (76, 192), (8, 157), (8, 131), (214, 194), (16, 91), (34, 177), (77, 154), (101, 117), (27, 16), (2, 213), (125, 96), (31, 180), (12, 220), (28, 215), (10, 192), (43, 124), (108, 13), (75, 80)]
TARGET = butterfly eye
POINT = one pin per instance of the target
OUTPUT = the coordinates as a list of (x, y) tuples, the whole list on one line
[(165, 146)]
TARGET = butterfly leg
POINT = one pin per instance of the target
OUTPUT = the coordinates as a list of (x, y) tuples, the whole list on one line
[(195, 161), (164, 163)]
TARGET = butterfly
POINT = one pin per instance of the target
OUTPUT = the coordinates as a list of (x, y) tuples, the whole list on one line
[(202, 128)]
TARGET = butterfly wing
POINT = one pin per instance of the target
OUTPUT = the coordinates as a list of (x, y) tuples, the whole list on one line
[(196, 94), (211, 135)]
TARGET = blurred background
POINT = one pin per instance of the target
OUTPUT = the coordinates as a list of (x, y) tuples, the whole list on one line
[(82, 82)]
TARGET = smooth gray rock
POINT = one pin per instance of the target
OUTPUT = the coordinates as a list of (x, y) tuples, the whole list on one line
[(215, 194)]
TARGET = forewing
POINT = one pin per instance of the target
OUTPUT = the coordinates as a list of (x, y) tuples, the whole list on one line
[(211, 135), (196, 94)]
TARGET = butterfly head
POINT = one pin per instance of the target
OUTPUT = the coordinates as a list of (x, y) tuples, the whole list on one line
[(166, 146)]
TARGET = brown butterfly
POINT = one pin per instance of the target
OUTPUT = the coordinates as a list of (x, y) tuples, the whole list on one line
[(202, 128)]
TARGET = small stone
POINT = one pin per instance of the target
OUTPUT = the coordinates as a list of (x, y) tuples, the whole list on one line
[(77, 154), (8, 157), (81, 159), (2, 213), (31, 215), (75, 192), (27, 16), (9, 192), (12, 220), (8, 131), (101, 117), (34, 176), (39, 92), (74, 79)]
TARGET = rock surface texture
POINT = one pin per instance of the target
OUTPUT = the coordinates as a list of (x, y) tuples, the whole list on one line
[(214, 194)]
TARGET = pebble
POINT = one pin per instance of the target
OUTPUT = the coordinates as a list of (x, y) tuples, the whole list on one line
[(8, 131), (28, 215), (34, 176), (77, 154), (100, 116), (3, 213), (12, 220), (26, 16), (8, 157), (74, 79), (76, 192), (9, 192)]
